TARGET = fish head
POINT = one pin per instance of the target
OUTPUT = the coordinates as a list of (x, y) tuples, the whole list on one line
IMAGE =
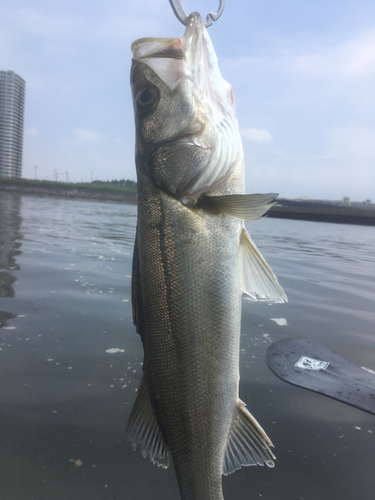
[(187, 135)]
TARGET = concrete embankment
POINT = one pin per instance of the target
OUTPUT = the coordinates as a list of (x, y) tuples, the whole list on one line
[(325, 213)]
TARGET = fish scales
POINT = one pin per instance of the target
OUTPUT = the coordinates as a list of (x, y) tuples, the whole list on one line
[(192, 261), (191, 357)]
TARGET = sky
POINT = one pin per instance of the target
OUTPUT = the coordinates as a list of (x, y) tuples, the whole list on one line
[(302, 72)]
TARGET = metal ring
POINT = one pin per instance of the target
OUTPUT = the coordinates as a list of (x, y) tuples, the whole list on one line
[(183, 17)]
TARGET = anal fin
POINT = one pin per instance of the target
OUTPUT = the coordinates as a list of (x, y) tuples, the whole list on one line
[(248, 443), (144, 429)]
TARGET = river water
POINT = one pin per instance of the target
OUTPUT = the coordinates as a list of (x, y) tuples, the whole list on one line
[(70, 360)]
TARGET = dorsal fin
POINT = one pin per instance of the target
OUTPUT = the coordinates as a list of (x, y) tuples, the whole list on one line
[(144, 429), (248, 443)]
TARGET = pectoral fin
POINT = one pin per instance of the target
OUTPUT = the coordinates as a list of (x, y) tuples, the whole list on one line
[(248, 207), (248, 443), (259, 282), (144, 429)]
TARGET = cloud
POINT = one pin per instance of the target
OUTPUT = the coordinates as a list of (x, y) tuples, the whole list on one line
[(36, 22), (256, 135), (355, 140), (59, 28), (354, 58), (86, 135), (291, 72), (314, 57), (316, 94), (31, 132)]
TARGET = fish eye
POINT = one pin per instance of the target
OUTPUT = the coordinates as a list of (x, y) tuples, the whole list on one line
[(146, 98)]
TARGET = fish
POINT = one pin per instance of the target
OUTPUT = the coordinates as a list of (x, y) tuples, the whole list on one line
[(193, 259)]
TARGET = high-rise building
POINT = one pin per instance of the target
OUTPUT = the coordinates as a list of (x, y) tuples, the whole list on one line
[(12, 101)]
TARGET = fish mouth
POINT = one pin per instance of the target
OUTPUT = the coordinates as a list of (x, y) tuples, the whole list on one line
[(173, 58), (163, 48), (165, 56), (188, 140)]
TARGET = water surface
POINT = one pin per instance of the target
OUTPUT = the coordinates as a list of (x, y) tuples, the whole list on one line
[(70, 360)]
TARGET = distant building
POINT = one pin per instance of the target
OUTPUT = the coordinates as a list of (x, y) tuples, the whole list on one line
[(12, 101)]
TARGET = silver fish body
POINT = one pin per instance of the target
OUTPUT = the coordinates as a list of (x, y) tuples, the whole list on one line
[(193, 259)]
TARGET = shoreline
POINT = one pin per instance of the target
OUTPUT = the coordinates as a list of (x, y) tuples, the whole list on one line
[(79, 193), (283, 209)]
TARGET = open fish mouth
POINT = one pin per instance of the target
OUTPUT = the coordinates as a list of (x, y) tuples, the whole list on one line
[(165, 56), (176, 58), (192, 57)]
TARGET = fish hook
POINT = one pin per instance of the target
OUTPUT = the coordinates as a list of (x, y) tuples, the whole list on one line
[(183, 17)]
